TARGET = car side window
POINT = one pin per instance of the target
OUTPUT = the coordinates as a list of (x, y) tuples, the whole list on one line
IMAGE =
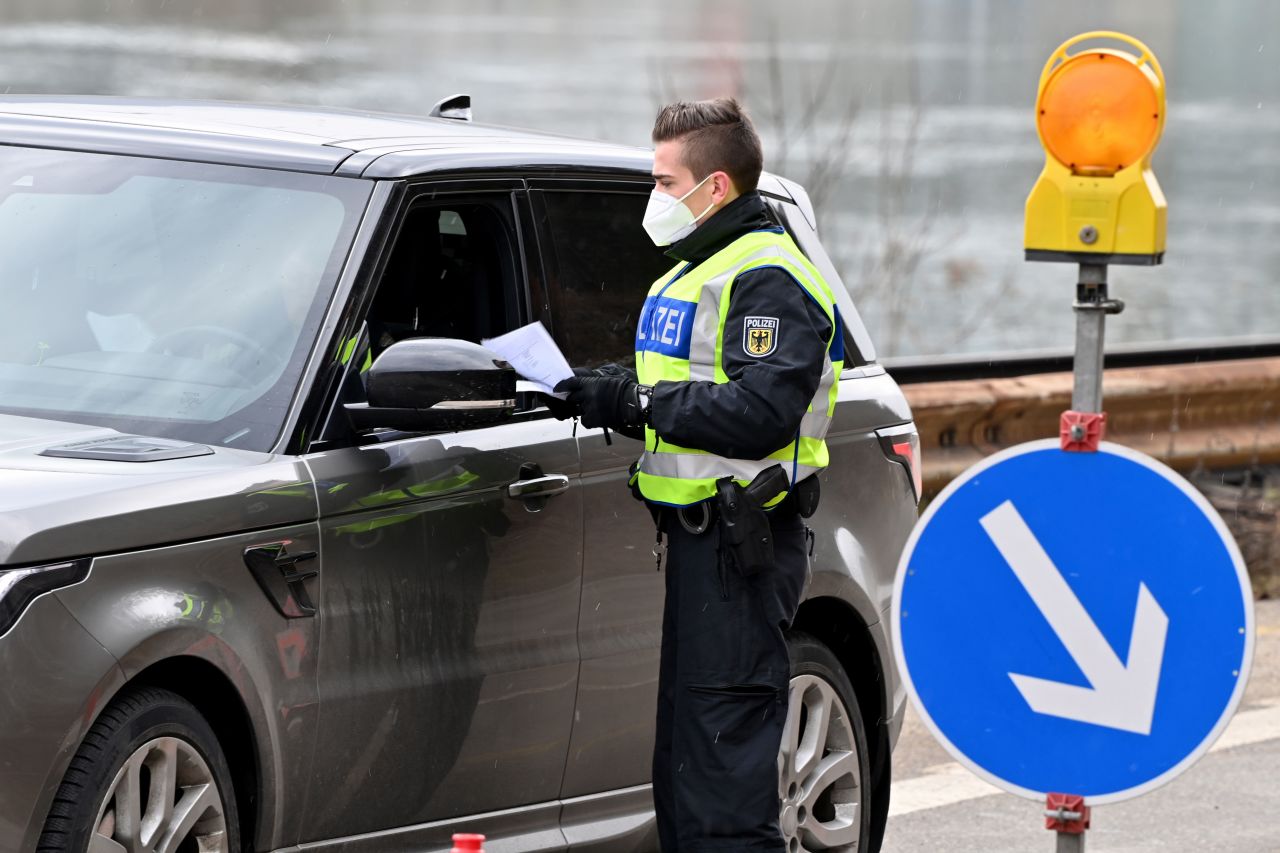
[(452, 273), (599, 265)]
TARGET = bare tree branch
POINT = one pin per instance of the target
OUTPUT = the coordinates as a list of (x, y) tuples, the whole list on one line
[(882, 264)]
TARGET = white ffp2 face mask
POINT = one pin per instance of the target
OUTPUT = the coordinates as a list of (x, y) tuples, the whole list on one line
[(667, 220)]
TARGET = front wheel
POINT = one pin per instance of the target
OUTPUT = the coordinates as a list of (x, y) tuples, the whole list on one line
[(824, 776), (149, 777)]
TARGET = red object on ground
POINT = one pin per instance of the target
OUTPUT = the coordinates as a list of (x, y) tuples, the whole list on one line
[(1066, 803), (1080, 432), (466, 842)]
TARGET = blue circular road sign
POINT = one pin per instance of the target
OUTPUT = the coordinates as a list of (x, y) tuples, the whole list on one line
[(1075, 623)]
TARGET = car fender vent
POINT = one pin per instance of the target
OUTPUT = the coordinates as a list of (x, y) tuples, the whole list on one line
[(128, 448)]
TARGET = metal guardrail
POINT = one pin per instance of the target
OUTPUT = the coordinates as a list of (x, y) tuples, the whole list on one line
[(1208, 406), (914, 369)]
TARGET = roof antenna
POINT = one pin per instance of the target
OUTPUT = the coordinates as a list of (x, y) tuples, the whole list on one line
[(457, 107)]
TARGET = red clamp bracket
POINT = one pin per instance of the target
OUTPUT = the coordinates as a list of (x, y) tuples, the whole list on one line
[(1080, 432), (1066, 813)]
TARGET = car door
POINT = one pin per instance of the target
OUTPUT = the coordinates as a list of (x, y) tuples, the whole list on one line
[(448, 654), (599, 266)]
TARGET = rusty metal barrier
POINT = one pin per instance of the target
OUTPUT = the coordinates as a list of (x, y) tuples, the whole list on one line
[(1193, 416)]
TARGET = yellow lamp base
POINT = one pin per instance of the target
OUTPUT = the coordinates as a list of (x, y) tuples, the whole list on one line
[(1123, 216)]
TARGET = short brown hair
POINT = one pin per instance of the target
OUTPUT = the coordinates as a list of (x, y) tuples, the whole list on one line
[(717, 135)]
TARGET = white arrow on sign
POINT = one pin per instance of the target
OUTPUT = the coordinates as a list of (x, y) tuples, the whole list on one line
[(1122, 696)]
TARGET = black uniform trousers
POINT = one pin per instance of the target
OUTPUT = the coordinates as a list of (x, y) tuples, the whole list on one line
[(722, 690)]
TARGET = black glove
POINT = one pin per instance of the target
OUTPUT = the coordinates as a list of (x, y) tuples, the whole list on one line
[(562, 410), (605, 401), (610, 369)]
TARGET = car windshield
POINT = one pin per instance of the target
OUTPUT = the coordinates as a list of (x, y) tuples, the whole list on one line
[(164, 298)]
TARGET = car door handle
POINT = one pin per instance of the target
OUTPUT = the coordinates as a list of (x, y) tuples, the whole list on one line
[(538, 487)]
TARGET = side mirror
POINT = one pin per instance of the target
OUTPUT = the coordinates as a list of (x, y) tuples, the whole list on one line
[(435, 385)]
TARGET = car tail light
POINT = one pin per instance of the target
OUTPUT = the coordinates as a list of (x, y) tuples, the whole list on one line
[(902, 445), (20, 587)]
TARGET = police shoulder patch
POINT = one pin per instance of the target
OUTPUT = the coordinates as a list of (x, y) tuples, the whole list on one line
[(759, 336)]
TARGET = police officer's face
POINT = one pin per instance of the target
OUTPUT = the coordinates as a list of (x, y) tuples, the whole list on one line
[(673, 177)]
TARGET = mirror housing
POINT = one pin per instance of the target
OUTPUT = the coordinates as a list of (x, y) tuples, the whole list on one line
[(435, 385)]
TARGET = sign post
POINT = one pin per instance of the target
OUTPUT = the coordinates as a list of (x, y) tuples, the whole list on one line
[(1071, 618), (1099, 116)]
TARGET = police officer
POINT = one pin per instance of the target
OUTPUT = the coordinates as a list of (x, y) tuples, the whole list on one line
[(738, 356)]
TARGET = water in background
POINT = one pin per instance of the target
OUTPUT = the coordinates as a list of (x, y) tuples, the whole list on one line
[(911, 122)]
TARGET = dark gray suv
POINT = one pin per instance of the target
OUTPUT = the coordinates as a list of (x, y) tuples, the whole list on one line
[(287, 564)]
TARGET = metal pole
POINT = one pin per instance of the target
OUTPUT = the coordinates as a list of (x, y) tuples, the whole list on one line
[(1070, 842), (1091, 307), (1069, 818)]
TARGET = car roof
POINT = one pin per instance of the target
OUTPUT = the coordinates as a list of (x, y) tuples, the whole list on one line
[(309, 139)]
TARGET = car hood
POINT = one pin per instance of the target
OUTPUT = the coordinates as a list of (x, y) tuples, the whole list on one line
[(54, 508)]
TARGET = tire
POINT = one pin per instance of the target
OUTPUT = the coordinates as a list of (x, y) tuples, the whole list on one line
[(826, 795), (150, 746)]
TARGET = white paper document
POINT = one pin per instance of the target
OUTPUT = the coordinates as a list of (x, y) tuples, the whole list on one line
[(534, 355)]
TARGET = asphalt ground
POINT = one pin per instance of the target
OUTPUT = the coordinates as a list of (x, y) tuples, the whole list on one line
[(1228, 801)]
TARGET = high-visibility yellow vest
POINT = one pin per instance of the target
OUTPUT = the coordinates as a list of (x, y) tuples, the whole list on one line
[(680, 338)]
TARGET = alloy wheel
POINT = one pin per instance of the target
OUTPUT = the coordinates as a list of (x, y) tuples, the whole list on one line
[(163, 800), (818, 779)]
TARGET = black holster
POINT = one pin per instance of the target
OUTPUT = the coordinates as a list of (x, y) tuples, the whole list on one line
[(746, 540), (805, 496)]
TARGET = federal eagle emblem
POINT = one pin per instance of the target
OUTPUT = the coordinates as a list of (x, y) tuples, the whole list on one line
[(759, 336)]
